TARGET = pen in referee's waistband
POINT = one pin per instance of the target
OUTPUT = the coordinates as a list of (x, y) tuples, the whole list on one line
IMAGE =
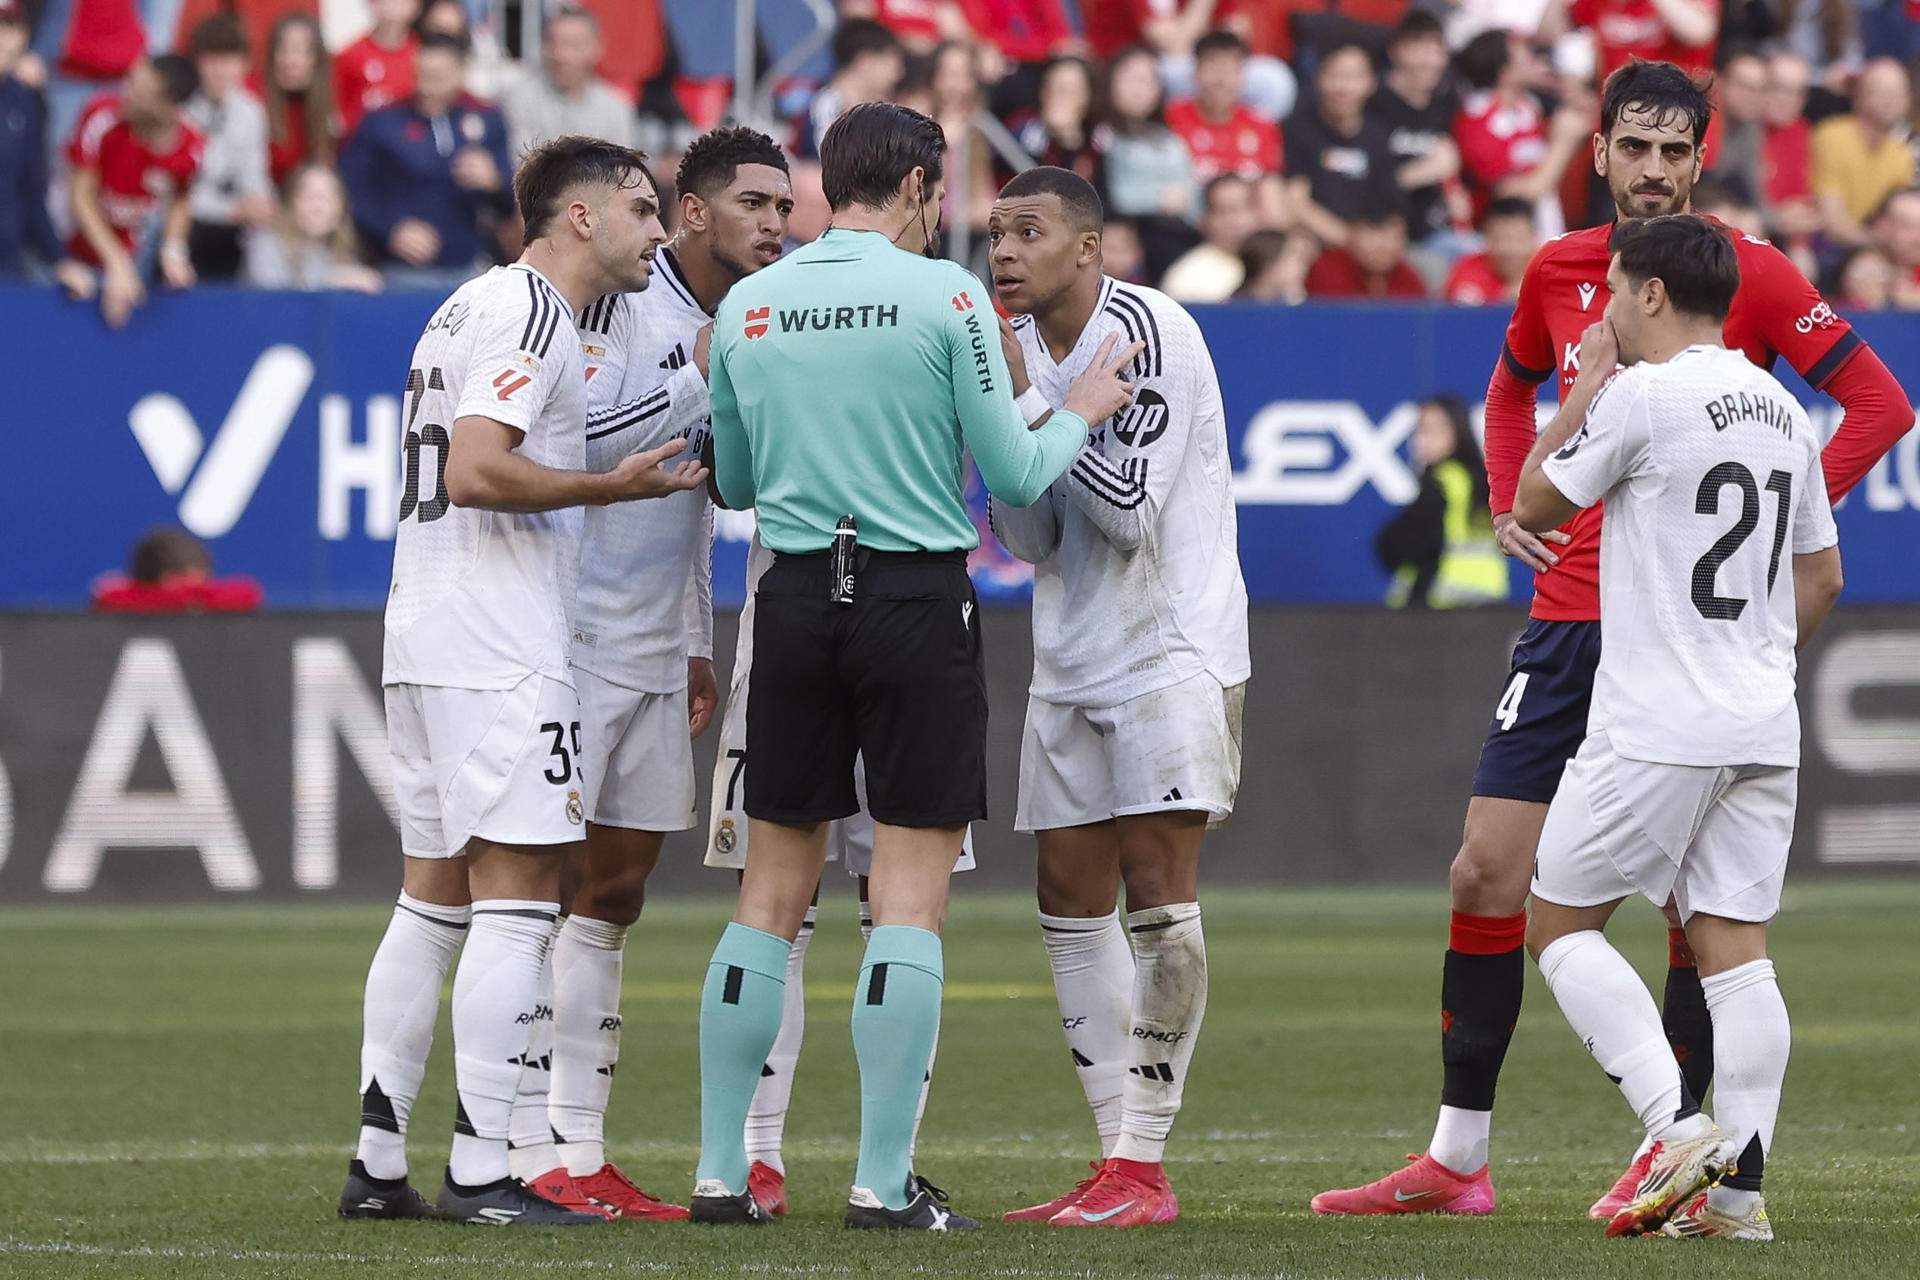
[(846, 537)]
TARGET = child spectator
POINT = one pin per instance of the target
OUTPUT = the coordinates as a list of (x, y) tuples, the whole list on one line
[(1493, 275), (297, 88), (311, 244), (133, 159), (231, 191)]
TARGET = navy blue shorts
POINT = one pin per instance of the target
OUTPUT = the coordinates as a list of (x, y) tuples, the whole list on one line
[(1541, 718)]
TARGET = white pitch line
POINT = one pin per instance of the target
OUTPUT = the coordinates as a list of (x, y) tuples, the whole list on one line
[(282, 1257)]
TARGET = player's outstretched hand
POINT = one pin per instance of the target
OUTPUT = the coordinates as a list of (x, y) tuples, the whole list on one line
[(1599, 349), (1527, 548), (1101, 392), (646, 475), (1016, 359)]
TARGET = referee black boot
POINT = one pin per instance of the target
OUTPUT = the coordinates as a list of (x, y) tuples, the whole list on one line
[(926, 1211), (715, 1206)]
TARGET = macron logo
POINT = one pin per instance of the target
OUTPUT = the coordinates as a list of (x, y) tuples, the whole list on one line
[(230, 468), (1586, 295)]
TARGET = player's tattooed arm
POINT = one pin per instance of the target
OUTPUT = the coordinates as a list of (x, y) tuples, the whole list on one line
[(1538, 504)]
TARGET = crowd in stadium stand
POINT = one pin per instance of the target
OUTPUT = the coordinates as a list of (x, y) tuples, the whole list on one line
[(1272, 150)]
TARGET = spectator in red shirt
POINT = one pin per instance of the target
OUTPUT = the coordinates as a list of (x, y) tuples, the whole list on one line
[(1222, 133), (1172, 29), (1493, 275), (171, 572), (1507, 147), (377, 69), (1682, 32), (1372, 263), (133, 159), (298, 91)]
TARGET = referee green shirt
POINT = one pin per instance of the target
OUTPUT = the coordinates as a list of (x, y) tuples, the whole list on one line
[(852, 377)]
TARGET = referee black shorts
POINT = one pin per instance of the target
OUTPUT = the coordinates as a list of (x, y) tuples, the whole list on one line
[(896, 677)]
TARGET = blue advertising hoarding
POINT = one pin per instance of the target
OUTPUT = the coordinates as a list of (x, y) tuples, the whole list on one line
[(268, 424)]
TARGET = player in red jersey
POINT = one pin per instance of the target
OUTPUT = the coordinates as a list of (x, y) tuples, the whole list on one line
[(1653, 120)]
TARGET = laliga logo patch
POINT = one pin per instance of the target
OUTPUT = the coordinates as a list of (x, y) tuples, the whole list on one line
[(757, 318), (576, 812), (725, 839)]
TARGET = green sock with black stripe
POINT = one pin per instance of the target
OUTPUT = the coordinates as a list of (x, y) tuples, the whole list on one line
[(896, 1014), (739, 1020)]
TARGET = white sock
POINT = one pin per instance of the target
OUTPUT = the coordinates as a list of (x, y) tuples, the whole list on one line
[(1093, 983), (1169, 1001), (767, 1113), (496, 991), (1612, 1012), (588, 958), (1751, 1042), (531, 1149), (402, 1004), (1460, 1139), (926, 1090)]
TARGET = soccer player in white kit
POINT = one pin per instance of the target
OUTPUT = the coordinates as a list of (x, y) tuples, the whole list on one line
[(1719, 558), (642, 647), (488, 764), (1132, 744)]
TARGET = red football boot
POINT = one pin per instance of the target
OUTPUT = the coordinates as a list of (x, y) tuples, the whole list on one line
[(1423, 1186), (558, 1185), (1043, 1212), (1603, 1209), (1125, 1193), (768, 1187), (615, 1192)]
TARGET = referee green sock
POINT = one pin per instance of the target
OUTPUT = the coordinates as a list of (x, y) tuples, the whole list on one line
[(896, 1013), (739, 1020)]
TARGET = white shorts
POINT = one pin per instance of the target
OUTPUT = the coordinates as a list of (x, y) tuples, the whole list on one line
[(646, 755), (850, 840), (498, 764), (1715, 839), (1176, 748)]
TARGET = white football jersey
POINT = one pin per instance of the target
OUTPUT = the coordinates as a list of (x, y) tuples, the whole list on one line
[(1712, 482), (480, 599), (646, 580), (759, 560), (1137, 583)]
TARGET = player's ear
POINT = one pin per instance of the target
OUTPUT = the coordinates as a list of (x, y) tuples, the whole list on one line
[(582, 217), (1089, 248), (1600, 153), (693, 211)]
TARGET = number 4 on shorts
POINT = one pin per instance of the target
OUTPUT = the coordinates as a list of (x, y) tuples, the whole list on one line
[(1509, 709)]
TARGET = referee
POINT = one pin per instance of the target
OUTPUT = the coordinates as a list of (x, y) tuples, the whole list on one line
[(849, 381)]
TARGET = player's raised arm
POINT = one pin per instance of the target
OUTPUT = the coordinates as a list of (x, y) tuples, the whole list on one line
[(1526, 360), (1824, 349), (678, 407), (1593, 442), (1030, 533)]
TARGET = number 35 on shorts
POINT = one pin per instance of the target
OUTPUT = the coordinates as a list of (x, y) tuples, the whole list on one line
[(1508, 711)]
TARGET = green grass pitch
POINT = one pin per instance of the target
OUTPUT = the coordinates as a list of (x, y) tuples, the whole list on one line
[(179, 1101)]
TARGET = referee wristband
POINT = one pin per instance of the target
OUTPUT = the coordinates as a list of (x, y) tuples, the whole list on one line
[(1032, 405)]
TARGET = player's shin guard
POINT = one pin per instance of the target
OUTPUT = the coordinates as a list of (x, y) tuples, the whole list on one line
[(896, 1017), (530, 1141), (1481, 987), (1093, 983), (1169, 1002), (1684, 1014), (1612, 1012), (767, 1114), (588, 958), (739, 1020), (1753, 1039), (496, 994), (402, 1003)]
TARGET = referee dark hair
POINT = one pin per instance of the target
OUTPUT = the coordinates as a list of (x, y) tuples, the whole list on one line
[(849, 381)]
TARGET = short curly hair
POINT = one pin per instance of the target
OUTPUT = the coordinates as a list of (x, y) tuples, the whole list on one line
[(715, 157)]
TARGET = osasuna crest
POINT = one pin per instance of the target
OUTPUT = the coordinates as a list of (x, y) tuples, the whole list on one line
[(1143, 421)]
